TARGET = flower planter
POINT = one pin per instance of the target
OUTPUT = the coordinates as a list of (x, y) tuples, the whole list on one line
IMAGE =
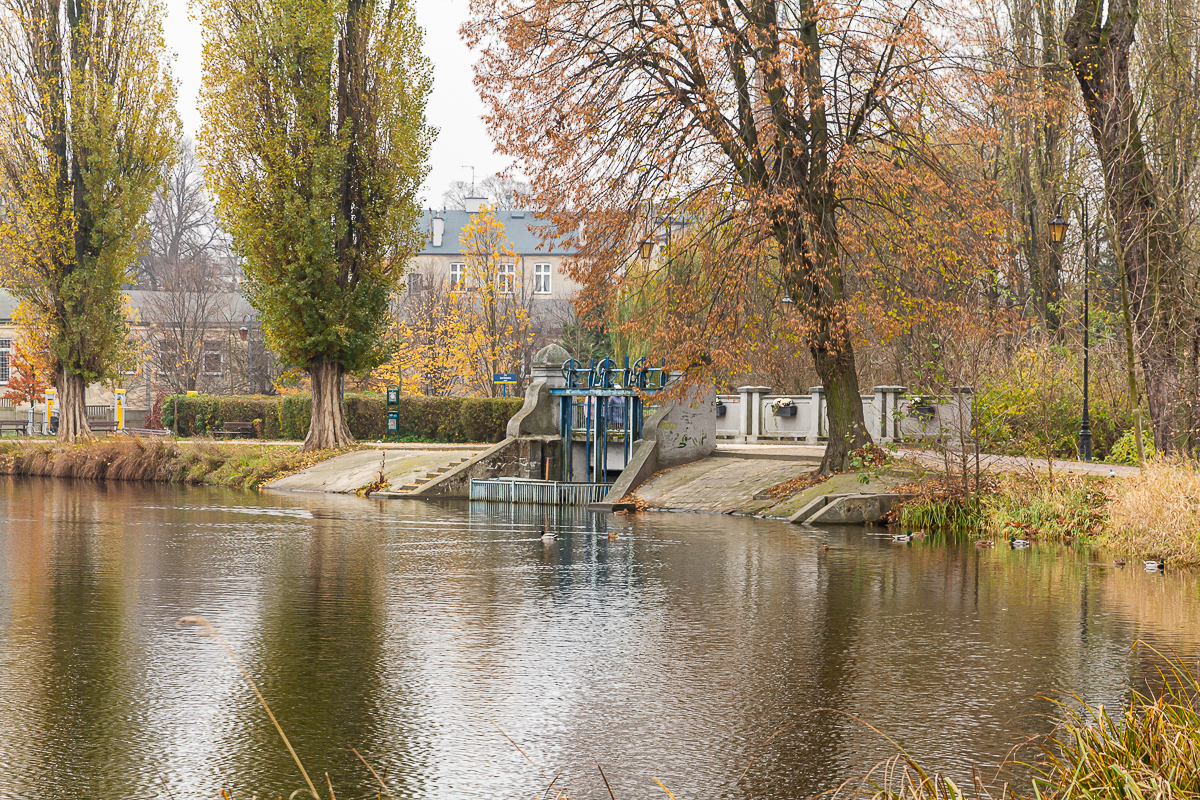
[(785, 411)]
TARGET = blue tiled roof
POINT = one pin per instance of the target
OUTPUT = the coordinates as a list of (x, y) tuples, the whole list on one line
[(517, 226)]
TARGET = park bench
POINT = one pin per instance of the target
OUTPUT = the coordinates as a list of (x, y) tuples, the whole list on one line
[(15, 425), (102, 426), (236, 429)]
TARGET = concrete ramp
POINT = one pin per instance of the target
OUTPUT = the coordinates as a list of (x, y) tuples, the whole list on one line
[(346, 473), (848, 509), (721, 484)]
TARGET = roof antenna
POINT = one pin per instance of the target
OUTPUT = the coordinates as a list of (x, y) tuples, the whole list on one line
[(472, 168)]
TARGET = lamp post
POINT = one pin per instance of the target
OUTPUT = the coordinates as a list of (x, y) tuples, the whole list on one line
[(247, 334), (1058, 232)]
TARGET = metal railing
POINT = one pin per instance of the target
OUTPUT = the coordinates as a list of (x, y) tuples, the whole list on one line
[(545, 493)]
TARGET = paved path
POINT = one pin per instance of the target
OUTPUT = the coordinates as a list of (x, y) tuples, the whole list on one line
[(931, 459)]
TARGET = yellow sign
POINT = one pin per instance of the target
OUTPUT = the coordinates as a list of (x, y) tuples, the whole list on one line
[(119, 408)]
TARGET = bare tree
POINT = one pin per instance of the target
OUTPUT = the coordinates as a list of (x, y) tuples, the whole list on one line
[(500, 191), (1099, 38), (183, 227), (184, 318)]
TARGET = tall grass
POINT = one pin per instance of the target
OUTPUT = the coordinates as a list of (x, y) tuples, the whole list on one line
[(1060, 509), (942, 506), (1149, 748), (1156, 514), (238, 465)]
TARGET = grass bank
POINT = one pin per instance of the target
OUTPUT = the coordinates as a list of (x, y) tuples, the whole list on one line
[(1152, 515), (233, 464)]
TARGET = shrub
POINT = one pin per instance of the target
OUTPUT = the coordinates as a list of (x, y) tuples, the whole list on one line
[(436, 419), (1032, 407), (1125, 450)]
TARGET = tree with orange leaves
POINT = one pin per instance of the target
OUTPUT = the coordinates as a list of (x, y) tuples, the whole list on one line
[(743, 127), (28, 383), (32, 363)]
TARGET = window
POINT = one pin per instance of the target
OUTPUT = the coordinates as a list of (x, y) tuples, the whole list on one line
[(414, 283), (212, 361), (506, 277), (541, 279), (458, 277), (5, 364)]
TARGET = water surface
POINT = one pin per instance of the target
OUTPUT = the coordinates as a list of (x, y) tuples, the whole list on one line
[(423, 635)]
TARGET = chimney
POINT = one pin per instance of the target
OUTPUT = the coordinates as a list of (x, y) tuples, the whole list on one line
[(473, 204), (439, 227)]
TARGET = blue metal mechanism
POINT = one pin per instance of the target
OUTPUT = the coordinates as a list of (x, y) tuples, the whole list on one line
[(600, 399)]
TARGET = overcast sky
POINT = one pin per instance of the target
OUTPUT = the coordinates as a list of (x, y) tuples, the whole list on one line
[(454, 108)]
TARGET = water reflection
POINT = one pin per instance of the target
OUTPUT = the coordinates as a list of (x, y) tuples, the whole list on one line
[(667, 646)]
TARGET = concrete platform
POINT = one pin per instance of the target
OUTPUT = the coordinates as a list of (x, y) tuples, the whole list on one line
[(348, 472)]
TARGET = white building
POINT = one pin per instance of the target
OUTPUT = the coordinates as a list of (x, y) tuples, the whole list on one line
[(536, 273)]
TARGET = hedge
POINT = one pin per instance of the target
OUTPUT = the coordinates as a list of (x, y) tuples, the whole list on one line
[(430, 419)]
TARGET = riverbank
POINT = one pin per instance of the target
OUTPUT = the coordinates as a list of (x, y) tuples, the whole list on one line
[(232, 464), (1152, 514)]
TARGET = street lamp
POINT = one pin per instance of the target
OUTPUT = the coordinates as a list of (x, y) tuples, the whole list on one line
[(246, 335), (647, 249), (1058, 232)]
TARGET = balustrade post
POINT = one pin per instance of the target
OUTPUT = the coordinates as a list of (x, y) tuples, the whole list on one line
[(750, 425), (887, 400), (816, 429)]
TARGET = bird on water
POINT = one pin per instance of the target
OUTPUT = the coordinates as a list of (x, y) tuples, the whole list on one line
[(1018, 544)]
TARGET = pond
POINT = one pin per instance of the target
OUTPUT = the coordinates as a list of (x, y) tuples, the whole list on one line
[(426, 636)]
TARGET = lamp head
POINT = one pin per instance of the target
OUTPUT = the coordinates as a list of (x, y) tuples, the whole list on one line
[(243, 332), (647, 249), (1058, 228)]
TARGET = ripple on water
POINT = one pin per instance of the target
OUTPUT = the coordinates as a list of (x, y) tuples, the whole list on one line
[(424, 635)]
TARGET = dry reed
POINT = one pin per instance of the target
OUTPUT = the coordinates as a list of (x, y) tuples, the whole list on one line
[(239, 465), (1156, 514)]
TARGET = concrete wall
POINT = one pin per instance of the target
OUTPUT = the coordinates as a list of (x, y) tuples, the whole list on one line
[(681, 432), (688, 431)]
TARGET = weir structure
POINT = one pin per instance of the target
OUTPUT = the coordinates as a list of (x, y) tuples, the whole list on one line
[(605, 404), (586, 435)]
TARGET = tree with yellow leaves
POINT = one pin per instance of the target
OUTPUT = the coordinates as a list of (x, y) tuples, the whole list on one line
[(87, 123), (454, 339), (499, 338)]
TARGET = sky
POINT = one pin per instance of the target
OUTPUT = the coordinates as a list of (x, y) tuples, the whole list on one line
[(454, 109)]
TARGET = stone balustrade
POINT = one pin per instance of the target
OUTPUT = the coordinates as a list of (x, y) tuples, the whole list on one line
[(754, 414)]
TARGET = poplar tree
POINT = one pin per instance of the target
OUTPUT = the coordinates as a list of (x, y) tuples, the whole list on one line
[(314, 142), (87, 123)]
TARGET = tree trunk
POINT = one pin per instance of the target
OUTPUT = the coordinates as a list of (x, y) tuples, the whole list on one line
[(809, 258), (1099, 51), (72, 407), (328, 427)]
